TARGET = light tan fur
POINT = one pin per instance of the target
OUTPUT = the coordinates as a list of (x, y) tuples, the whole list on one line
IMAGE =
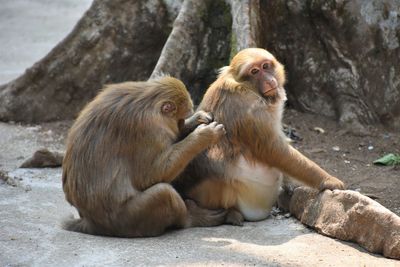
[(243, 171)]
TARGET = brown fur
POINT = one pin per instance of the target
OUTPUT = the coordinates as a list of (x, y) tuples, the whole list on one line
[(123, 151), (254, 137)]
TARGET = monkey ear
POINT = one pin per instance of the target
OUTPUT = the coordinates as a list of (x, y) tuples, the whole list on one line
[(168, 107)]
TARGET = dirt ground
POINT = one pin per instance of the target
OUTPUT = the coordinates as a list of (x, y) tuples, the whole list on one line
[(351, 157)]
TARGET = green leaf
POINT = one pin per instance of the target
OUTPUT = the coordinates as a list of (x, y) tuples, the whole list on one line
[(388, 160)]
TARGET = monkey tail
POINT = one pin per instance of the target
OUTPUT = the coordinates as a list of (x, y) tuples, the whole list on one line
[(81, 225)]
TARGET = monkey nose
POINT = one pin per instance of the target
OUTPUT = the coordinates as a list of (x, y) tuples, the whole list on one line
[(272, 83)]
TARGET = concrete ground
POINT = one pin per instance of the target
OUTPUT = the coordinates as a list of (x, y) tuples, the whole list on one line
[(30, 28), (32, 205), (32, 202)]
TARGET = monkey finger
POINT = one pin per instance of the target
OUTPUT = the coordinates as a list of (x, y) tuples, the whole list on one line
[(205, 117), (213, 124), (203, 121), (331, 184), (210, 116), (201, 126), (221, 127)]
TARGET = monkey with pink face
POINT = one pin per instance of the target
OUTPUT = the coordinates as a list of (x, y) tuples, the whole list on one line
[(242, 172)]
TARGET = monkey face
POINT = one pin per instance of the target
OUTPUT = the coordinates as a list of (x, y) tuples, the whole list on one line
[(262, 75), (262, 70)]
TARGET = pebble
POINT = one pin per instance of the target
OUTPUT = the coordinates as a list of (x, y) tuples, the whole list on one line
[(319, 130)]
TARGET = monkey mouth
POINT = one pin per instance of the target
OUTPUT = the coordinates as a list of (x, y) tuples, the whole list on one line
[(270, 91)]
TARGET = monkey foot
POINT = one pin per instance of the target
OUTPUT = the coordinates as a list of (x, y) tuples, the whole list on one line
[(234, 217), (200, 217)]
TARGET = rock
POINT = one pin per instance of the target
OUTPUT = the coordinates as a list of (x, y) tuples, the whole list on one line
[(349, 216), (286, 193), (319, 130), (8, 180), (291, 133), (43, 158)]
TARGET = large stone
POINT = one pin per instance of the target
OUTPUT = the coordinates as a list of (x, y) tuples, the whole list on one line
[(349, 216), (43, 158)]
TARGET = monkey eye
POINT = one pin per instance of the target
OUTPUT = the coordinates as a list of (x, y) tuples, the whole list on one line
[(266, 65), (254, 71)]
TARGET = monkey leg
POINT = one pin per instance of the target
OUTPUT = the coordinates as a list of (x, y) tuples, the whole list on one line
[(151, 212), (148, 213), (161, 207)]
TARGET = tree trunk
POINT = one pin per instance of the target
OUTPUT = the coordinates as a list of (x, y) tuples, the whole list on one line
[(114, 41), (198, 45), (341, 56)]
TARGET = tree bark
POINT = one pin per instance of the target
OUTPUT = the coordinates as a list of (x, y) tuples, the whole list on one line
[(198, 45), (246, 27), (114, 41), (341, 56)]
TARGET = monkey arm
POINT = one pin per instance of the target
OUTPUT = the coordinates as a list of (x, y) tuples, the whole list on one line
[(292, 162), (272, 148), (171, 162)]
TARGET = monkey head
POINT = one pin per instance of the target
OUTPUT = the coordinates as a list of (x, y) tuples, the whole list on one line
[(259, 69), (173, 100)]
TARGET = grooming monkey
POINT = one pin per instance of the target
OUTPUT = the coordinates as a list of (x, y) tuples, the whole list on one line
[(125, 149), (243, 171)]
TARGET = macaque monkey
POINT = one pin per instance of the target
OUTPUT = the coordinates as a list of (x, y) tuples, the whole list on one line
[(242, 172), (125, 149)]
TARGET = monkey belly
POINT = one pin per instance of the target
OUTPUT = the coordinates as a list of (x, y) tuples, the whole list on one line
[(258, 190), (251, 188)]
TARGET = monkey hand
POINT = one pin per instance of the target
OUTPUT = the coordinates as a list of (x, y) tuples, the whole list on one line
[(331, 183), (199, 117), (203, 117), (210, 133)]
